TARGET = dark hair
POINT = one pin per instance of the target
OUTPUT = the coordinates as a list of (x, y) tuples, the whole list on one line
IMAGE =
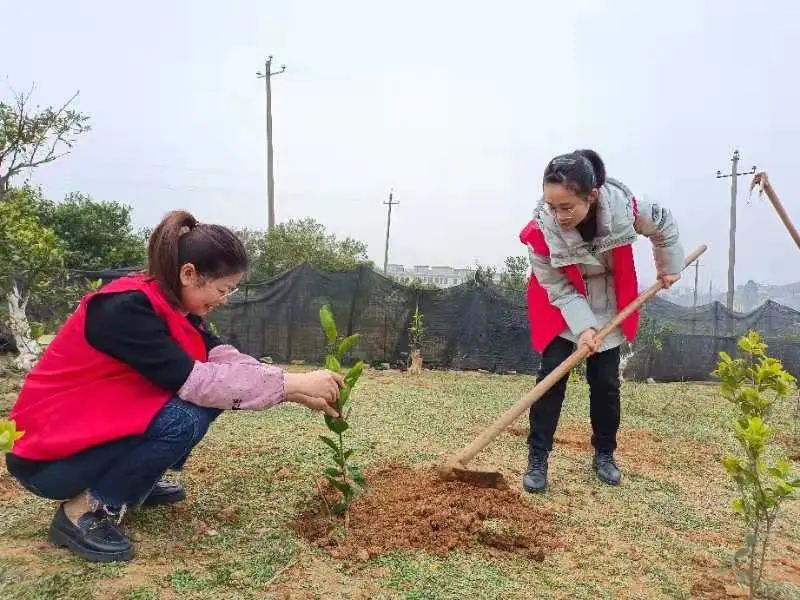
[(580, 171), (214, 250)]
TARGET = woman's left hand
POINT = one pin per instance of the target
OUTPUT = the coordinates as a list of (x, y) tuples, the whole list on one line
[(668, 279)]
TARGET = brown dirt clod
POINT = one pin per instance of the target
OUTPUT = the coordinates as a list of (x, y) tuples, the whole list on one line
[(414, 509)]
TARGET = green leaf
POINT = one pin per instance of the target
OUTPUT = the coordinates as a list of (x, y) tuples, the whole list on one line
[(340, 507), (328, 324), (738, 506), (348, 454), (732, 464), (344, 396), (354, 373), (334, 446), (741, 554), (359, 479), (345, 488), (331, 472), (8, 434), (332, 363), (346, 344), (336, 425)]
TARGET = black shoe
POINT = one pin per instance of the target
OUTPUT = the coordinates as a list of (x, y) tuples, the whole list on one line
[(98, 536), (165, 492), (535, 478), (606, 469)]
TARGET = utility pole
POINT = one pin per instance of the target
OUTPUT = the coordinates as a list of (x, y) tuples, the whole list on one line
[(696, 274), (266, 76), (390, 204), (734, 175), (710, 291)]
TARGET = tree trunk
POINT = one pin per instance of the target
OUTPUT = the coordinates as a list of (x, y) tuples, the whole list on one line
[(27, 347)]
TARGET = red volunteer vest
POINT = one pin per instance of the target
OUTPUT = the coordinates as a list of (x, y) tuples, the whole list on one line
[(77, 397), (546, 321)]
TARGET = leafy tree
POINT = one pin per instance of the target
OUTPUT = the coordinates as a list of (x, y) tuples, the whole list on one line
[(31, 136), (98, 234), (484, 274), (297, 241), (31, 259), (423, 286), (515, 273)]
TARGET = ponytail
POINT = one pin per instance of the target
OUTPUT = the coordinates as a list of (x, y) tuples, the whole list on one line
[(597, 166), (580, 171), (214, 250)]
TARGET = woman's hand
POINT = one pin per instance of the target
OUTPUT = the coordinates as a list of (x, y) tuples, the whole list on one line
[(313, 403), (317, 390), (668, 279), (589, 339)]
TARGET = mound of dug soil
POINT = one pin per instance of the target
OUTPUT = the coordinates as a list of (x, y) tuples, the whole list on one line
[(408, 509)]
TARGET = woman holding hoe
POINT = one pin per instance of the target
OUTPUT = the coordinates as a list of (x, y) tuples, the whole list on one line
[(583, 273), (131, 384)]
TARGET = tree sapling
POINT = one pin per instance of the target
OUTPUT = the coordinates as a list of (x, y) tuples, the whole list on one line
[(345, 477)]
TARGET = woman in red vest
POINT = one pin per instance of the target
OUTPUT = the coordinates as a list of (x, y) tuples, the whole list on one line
[(131, 384), (582, 274)]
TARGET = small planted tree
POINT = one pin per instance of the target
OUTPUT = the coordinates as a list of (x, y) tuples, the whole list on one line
[(416, 335), (343, 476), (753, 383), (8, 435), (648, 343)]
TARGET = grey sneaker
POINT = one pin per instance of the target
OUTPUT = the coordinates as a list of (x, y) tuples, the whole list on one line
[(607, 470), (535, 478)]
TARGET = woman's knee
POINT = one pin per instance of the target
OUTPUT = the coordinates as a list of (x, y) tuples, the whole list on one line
[(182, 422)]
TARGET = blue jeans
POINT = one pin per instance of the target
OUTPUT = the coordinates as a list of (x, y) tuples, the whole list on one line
[(123, 472)]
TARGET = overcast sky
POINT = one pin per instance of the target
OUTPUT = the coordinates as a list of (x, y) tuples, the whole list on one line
[(455, 105)]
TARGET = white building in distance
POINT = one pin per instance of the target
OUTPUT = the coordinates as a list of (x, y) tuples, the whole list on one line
[(442, 277)]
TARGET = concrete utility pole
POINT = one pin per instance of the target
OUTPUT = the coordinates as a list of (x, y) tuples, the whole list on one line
[(390, 204), (734, 175), (266, 76), (696, 275)]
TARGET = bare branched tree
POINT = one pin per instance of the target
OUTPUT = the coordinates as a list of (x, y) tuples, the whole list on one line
[(31, 136)]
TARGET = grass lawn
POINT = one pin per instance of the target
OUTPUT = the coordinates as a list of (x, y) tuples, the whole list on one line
[(664, 533)]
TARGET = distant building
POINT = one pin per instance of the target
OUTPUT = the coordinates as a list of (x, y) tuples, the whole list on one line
[(442, 277)]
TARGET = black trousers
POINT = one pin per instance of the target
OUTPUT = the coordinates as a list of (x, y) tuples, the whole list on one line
[(602, 373)]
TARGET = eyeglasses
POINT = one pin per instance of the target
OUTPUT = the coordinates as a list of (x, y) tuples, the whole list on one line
[(555, 211), (228, 293)]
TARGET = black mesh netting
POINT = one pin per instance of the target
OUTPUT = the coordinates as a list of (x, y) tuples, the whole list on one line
[(471, 326), (467, 327)]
